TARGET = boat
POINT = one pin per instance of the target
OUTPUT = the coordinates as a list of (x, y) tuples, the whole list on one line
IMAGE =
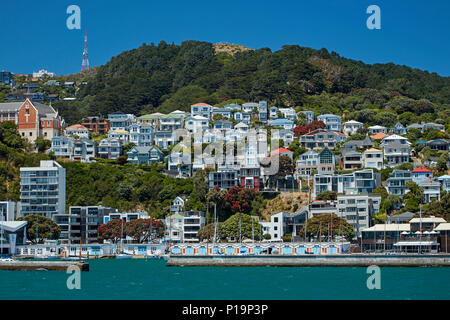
[(124, 256), (7, 260)]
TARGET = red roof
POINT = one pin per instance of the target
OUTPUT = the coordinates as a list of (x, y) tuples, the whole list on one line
[(421, 169), (201, 104), (281, 150)]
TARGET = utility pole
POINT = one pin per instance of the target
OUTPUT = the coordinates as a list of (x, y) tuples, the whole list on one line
[(240, 230)]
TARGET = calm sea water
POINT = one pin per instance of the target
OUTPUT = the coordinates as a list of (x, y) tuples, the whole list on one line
[(141, 279)]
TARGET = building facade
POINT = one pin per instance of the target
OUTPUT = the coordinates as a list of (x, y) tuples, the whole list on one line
[(43, 189)]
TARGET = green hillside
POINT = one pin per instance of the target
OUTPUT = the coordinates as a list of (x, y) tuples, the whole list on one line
[(166, 77)]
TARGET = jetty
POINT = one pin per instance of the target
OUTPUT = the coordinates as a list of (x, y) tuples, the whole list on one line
[(18, 265), (350, 260)]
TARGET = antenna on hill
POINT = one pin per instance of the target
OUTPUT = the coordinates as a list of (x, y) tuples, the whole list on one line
[(85, 64)]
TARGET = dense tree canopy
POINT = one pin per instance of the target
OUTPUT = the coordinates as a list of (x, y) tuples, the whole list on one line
[(40, 228), (166, 77)]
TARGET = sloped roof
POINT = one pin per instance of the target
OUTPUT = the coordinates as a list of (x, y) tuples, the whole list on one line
[(389, 227), (281, 150), (76, 127), (421, 169), (428, 220), (10, 106), (201, 104), (378, 136), (13, 226)]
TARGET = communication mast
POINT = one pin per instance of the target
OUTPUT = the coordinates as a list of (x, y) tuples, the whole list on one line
[(85, 63)]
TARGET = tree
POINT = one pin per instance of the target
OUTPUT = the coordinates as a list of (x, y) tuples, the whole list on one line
[(381, 191), (207, 232), (42, 144), (327, 195), (127, 148), (439, 208), (40, 228), (231, 227), (441, 164), (390, 203), (328, 225), (139, 229), (240, 199), (415, 195), (112, 230), (386, 119)]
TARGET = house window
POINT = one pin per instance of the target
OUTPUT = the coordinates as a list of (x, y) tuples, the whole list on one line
[(275, 219)]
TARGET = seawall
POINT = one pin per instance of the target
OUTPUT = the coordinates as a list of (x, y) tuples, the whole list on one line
[(312, 261), (42, 265)]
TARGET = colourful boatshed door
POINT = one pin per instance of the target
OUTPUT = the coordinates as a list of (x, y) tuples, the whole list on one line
[(190, 251), (202, 251), (142, 250), (229, 250), (176, 250)]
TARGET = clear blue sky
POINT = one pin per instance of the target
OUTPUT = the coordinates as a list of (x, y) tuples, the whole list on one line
[(35, 36)]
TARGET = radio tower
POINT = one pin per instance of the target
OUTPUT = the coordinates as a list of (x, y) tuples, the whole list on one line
[(85, 63)]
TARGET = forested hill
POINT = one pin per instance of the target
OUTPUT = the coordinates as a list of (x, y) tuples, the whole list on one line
[(166, 77)]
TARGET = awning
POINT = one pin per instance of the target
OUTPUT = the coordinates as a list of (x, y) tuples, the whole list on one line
[(415, 243)]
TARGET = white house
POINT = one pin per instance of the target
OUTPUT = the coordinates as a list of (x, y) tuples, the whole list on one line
[(351, 127), (196, 123), (78, 130), (277, 226)]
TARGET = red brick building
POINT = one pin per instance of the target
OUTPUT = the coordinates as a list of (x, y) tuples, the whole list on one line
[(38, 120)]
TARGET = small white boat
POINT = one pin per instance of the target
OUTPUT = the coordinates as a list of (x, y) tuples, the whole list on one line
[(7, 260), (124, 256)]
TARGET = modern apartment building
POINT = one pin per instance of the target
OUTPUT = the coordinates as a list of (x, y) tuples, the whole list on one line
[(9, 210), (361, 181), (357, 209), (193, 221), (396, 183), (82, 221), (224, 179), (43, 189)]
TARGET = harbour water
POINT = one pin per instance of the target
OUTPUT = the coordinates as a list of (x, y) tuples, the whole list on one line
[(151, 279)]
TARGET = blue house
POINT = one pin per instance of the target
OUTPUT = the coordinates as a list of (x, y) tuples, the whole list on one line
[(145, 155), (420, 174), (445, 182), (398, 129), (285, 123), (332, 121), (396, 183)]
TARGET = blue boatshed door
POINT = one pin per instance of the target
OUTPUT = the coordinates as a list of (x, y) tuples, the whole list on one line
[(202, 251)]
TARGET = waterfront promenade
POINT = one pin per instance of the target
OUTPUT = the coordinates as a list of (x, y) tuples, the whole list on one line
[(347, 260)]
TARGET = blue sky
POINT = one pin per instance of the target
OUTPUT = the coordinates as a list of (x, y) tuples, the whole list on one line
[(35, 36)]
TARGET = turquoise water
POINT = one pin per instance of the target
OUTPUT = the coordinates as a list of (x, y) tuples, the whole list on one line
[(141, 279)]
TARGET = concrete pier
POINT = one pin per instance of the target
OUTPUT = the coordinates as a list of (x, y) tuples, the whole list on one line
[(42, 265), (312, 261)]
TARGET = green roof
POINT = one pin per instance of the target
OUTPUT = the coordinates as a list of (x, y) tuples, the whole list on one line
[(176, 216), (172, 115), (149, 116)]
